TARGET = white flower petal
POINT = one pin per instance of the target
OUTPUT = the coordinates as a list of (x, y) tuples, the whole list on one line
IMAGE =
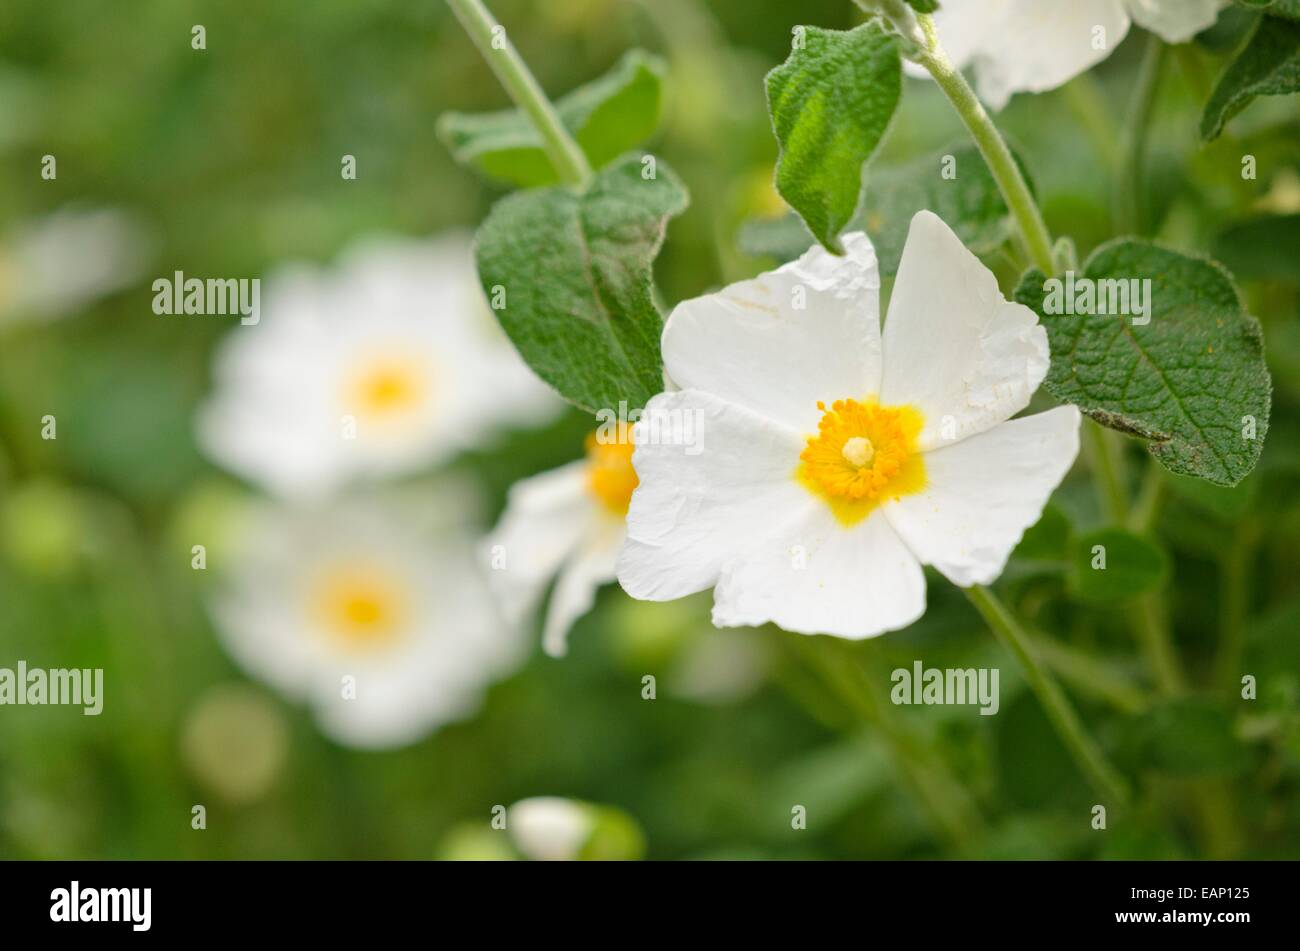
[(954, 347), (1175, 21), (697, 507), (1042, 44), (777, 344), (593, 564), (984, 492), (544, 520), (815, 576)]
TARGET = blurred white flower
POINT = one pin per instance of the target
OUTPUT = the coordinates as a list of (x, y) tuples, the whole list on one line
[(569, 522), (58, 264), (1036, 45), (550, 829), (384, 626), (387, 363), (840, 457)]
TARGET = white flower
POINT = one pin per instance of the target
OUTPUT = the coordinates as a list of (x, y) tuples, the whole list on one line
[(837, 459), (388, 363), (358, 611), (1036, 45), (569, 522), (549, 828), (58, 264)]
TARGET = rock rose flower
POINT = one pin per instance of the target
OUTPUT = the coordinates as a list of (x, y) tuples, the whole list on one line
[(385, 627), (837, 458), (571, 523), (387, 363)]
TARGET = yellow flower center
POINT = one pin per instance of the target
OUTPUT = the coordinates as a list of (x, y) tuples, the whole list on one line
[(610, 476), (389, 386), (863, 454), (360, 606)]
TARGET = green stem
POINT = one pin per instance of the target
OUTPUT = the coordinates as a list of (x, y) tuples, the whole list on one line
[(1235, 601), (1142, 517), (1090, 108), (1001, 163), (1092, 676), (570, 163), (1151, 628), (1194, 70), (947, 805), (1104, 778), (1130, 192), (1105, 456)]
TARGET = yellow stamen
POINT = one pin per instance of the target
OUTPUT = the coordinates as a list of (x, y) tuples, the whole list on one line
[(863, 454), (389, 386), (610, 476), (361, 607)]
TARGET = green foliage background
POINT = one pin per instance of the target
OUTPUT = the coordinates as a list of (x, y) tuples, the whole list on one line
[(233, 156)]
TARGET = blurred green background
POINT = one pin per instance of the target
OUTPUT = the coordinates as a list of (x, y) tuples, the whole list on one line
[(230, 158)]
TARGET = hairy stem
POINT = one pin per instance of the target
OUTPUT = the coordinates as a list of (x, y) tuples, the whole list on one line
[(1151, 629), (1103, 776), (1105, 456), (1002, 164), (570, 163), (1235, 602), (947, 805), (1129, 212)]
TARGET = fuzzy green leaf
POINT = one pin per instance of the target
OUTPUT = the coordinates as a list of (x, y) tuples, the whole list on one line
[(607, 117), (1277, 8), (1261, 249), (1192, 379), (1132, 566), (968, 199), (830, 103), (954, 183), (569, 274), (1268, 65), (1186, 737)]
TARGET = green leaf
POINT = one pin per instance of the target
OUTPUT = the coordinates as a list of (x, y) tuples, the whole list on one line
[(1192, 379), (1269, 65), (923, 6), (830, 103), (1186, 737), (1113, 564), (970, 202), (1047, 540), (607, 117), (782, 239), (569, 274), (1277, 8), (1263, 248), (967, 198)]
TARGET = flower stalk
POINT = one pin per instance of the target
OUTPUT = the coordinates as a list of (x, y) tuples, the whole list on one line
[(1002, 164), (950, 810), (1103, 776), (566, 156)]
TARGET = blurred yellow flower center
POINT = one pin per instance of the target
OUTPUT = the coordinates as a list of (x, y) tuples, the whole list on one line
[(863, 454), (610, 476), (362, 608), (389, 386)]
